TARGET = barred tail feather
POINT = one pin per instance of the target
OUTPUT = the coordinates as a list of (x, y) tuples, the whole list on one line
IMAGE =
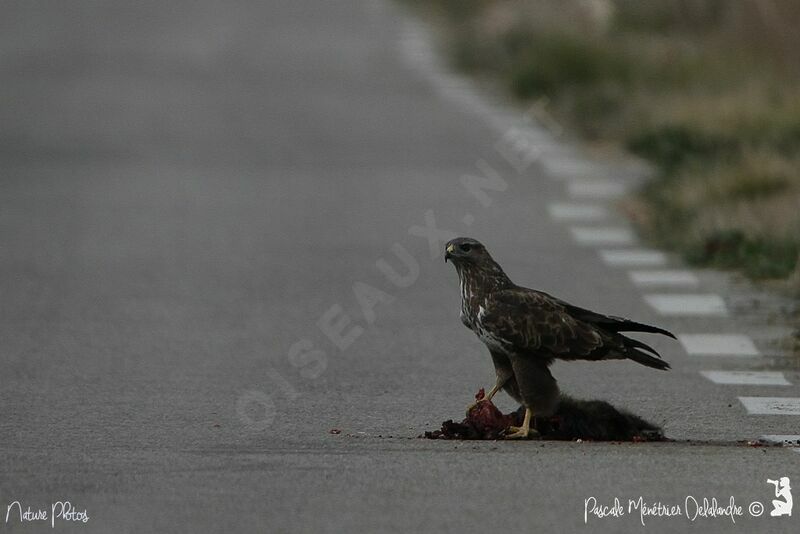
[(639, 345), (645, 359), (626, 325)]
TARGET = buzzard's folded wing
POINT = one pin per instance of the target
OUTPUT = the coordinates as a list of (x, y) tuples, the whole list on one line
[(531, 321), (611, 322)]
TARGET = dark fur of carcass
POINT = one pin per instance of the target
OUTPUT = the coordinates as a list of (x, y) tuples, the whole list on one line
[(574, 419)]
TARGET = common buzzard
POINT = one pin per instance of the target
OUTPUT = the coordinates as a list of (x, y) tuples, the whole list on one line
[(526, 330)]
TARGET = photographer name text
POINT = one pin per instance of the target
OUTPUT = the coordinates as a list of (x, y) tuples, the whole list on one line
[(692, 509)]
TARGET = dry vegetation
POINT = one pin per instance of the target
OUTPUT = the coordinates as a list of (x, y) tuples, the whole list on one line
[(707, 90)]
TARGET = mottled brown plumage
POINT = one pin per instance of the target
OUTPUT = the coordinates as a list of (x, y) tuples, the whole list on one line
[(526, 330)]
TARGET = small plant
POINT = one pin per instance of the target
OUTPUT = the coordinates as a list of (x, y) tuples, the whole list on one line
[(545, 64), (759, 258), (672, 146)]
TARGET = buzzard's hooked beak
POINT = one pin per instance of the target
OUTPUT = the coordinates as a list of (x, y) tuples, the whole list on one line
[(448, 252)]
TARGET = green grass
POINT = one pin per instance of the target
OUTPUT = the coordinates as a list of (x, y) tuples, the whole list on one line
[(758, 257), (544, 65), (672, 146)]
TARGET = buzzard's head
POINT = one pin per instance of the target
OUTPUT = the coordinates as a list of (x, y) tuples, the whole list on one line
[(462, 250)]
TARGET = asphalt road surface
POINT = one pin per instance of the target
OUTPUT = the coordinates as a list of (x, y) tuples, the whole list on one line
[(223, 305)]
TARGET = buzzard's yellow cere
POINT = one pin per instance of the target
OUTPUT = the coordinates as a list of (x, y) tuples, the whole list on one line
[(526, 330)]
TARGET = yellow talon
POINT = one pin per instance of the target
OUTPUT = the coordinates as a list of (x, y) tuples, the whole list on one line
[(524, 431)]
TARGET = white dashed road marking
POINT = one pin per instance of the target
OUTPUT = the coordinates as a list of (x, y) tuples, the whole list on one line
[(771, 405), (596, 189), (718, 345), (633, 258), (602, 236), (663, 278), (747, 378), (569, 167), (688, 304), (577, 212)]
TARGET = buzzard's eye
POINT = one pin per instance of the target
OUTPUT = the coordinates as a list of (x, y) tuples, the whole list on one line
[(465, 248)]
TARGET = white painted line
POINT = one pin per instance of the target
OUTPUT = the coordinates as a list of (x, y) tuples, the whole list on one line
[(718, 345), (771, 405), (796, 449), (663, 278), (602, 236), (688, 304), (577, 212), (747, 378), (566, 167), (787, 440), (596, 189), (633, 258), (546, 146)]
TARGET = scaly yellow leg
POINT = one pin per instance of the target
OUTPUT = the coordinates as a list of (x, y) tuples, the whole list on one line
[(524, 431)]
